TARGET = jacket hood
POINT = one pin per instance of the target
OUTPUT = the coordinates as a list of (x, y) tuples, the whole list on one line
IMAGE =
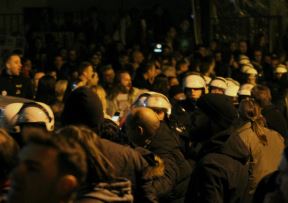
[(117, 190), (228, 143), (83, 107)]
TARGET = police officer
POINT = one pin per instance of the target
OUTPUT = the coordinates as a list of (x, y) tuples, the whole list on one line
[(194, 88), (12, 83)]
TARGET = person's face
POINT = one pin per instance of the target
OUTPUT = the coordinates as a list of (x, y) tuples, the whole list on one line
[(179, 96), (96, 59), (173, 82), (28, 64), (138, 57), (37, 77), (252, 79), (258, 56), (89, 73), (109, 76), (194, 93), (243, 47), (95, 79), (214, 90), (126, 81), (14, 65), (152, 72), (35, 178), (72, 55), (58, 61)]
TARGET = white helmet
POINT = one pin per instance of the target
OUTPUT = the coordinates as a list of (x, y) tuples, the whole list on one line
[(281, 69), (232, 87), (31, 112), (244, 61), (194, 81), (158, 100), (245, 89), (219, 82), (249, 69)]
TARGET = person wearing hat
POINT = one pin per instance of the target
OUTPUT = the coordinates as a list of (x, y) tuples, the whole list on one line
[(218, 85), (249, 74), (221, 171), (232, 90), (194, 87), (244, 91)]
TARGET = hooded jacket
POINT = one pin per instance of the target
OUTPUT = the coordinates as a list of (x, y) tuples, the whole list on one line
[(221, 173), (264, 159), (172, 186)]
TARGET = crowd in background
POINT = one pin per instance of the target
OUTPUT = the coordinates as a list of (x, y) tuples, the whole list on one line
[(145, 115)]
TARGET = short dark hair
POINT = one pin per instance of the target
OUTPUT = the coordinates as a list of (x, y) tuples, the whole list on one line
[(83, 66), (71, 155), (8, 153)]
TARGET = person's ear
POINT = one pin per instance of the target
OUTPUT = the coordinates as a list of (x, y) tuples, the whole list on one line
[(140, 130), (67, 185)]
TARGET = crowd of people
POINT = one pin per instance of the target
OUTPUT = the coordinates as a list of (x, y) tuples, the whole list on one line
[(169, 123)]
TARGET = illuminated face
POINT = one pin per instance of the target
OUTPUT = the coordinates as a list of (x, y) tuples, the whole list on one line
[(14, 65), (126, 81)]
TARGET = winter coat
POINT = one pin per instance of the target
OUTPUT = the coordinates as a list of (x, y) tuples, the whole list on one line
[(130, 164), (275, 120), (172, 186), (221, 174), (264, 159)]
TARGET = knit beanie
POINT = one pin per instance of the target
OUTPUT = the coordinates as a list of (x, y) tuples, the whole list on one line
[(219, 108), (83, 107)]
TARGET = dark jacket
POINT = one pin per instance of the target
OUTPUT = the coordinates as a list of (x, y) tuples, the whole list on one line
[(172, 186), (18, 86), (130, 164), (221, 174), (275, 120)]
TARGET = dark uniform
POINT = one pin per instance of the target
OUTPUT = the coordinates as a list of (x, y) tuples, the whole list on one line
[(18, 86)]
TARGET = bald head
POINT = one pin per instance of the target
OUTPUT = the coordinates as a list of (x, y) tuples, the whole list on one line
[(141, 124)]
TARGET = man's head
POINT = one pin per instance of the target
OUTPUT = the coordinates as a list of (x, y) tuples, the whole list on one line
[(58, 61), (124, 79), (54, 178), (194, 86), (137, 57), (108, 74), (13, 64), (262, 95), (149, 71), (86, 72), (142, 124)]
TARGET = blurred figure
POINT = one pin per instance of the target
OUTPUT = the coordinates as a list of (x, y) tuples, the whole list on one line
[(22, 119), (53, 179), (123, 94), (12, 83), (8, 156), (265, 145), (218, 85), (46, 90), (274, 119), (107, 78), (144, 129)]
